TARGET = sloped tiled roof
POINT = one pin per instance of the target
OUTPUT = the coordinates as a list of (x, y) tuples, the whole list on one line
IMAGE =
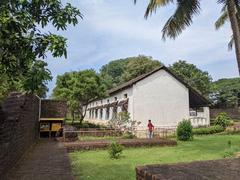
[(197, 98)]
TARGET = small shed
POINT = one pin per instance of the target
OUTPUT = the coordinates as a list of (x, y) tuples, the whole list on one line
[(53, 113)]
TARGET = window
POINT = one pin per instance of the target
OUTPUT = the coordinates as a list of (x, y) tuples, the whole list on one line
[(125, 95), (108, 101), (115, 98), (192, 112), (101, 101)]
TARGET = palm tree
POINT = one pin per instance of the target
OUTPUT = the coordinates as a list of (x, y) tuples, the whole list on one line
[(221, 21), (184, 13), (232, 7)]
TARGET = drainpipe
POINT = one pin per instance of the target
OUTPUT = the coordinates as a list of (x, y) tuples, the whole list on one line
[(39, 113), (39, 107)]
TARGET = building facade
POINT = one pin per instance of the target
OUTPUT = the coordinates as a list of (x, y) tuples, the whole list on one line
[(159, 95)]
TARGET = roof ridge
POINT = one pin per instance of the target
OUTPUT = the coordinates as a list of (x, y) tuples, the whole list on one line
[(134, 80)]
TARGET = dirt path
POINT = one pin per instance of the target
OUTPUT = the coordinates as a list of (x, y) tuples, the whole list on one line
[(48, 160)]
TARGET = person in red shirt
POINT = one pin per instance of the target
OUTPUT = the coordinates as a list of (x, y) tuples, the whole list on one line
[(150, 129)]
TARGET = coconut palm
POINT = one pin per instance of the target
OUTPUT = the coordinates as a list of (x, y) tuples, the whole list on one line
[(184, 13), (221, 21)]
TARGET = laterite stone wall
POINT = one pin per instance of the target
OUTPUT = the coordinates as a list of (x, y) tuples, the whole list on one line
[(234, 113), (19, 128), (53, 108), (214, 169)]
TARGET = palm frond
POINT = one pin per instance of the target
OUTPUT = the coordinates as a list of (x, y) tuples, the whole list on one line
[(221, 20), (231, 43), (182, 18), (154, 4)]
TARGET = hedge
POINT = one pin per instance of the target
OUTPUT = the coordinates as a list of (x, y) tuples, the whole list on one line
[(208, 130)]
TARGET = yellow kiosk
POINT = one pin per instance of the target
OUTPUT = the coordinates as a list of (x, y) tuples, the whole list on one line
[(50, 126), (53, 113)]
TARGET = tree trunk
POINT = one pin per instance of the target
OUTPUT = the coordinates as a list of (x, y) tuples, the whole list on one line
[(82, 112), (235, 28), (73, 116)]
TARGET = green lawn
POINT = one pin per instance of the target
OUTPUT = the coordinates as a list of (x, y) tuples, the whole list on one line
[(97, 165)]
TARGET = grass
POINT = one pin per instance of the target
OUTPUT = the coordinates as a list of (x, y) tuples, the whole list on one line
[(97, 164)]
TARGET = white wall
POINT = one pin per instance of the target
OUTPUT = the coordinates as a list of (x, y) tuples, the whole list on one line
[(161, 98), (202, 118)]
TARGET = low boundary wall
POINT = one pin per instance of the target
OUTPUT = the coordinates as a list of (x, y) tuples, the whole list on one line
[(104, 144), (201, 170), (234, 113)]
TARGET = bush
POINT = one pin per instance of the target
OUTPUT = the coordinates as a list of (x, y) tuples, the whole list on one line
[(230, 132), (87, 124), (128, 135), (115, 150), (208, 130), (222, 119), (184, 131), (84, 125)]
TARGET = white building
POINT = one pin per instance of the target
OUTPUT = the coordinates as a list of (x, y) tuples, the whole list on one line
[(159, 95)]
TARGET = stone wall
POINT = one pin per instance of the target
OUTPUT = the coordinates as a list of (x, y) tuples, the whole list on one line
[(53, 108), (234, 113), (19, 128), (214, 169)]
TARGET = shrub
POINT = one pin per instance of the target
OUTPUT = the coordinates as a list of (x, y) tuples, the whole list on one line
[(231, 122), (128, 135), (228, 154), (222, 119), (230, 132), (208, 130), (184, 131), (115, 150), (87, 124)]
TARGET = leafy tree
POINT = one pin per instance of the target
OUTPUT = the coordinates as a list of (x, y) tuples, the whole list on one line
[(195, 77), (187, 9), (35, 82), (78, 89), (22, 41), (122, 70), (7, 86), (225, 93), (112, 72), (138, 66)]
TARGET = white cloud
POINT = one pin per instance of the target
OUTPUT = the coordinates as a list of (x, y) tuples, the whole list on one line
[(200, 43), (117, 29)]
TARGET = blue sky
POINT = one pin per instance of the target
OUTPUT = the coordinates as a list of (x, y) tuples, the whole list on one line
[(113, 29)]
